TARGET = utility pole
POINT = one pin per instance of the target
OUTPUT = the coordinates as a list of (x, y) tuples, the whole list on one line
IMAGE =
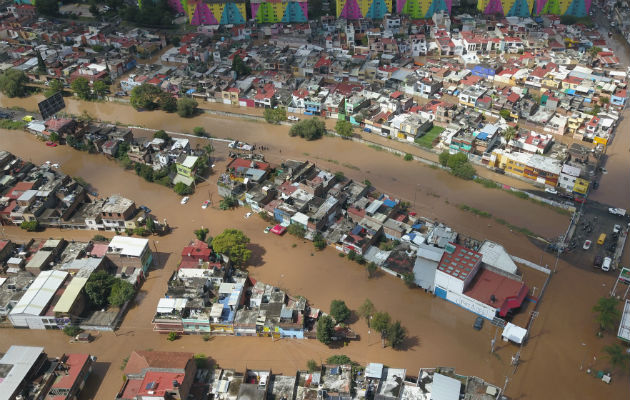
[(494, 339), (505, 385)]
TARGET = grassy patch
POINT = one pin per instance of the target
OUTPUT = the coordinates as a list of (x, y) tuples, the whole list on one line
[(376, 147), (475, 211), (487, 183), (427, 139), (9, 124), (519, 229), (354, 167)]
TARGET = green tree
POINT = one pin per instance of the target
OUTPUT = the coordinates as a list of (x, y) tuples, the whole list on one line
[(618, 356), (339, 359), (54, 137), (380, 321), (319, 242), (93, 9), (296, 230), (182, 189), (344, 128), (366, 310), (233, 243), (47, 7), (71, 330), (54, 86), (98, 288), (200, 360), (371, 269), (41, 64), (396, 335), (201, 233), (150, 224), (608, 313), (352, 255), (13, 83), (199, 131), (275, 115), (408, 157), (239, 66), (325, 329), (464, 171), (162, 135), (509, 133), (172, 336), (505, 114), (121, 292), (456, 160), (186, 107), (444, 156), (100, 88), (81, 86), (604, 99), (167, 102), (145, 97), (409, 279), (309, 129), (339, 311), (30, 226), (311, 366), (227, 203)]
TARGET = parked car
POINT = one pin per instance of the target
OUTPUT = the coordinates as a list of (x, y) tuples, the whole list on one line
[(249, 214), (51, 144), (587, 244), (185, 200), (616, 228), (478, 323), (597, 262), (205, 204), (145, 209), (617, 211), (293, 118), (267, 229), (551, 190), (606, 264)]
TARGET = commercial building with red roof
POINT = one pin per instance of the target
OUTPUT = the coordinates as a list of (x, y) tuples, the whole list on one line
[(460, 278)]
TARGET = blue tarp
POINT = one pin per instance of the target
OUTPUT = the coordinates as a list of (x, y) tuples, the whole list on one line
[(389, 203), (416, 226), (357, 229), (482, 136), (190, 91)]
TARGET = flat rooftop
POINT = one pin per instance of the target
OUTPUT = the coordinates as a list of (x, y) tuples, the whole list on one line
[(487, 283)]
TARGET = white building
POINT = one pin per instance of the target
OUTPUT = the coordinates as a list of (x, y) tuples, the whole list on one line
[(568, 176), (28, 312)]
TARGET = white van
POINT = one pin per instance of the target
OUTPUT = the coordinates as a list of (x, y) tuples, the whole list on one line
[(606, 264)]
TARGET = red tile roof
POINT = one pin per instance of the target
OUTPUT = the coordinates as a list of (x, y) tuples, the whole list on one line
[(506, 291), (460, 262), (241, 162), (140, 360), (75, 364)]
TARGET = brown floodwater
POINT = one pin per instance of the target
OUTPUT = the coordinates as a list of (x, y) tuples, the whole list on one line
[(440, 333)]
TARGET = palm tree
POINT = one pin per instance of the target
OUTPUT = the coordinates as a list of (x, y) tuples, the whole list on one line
[(609, 314), (618, 356), (509, 134)]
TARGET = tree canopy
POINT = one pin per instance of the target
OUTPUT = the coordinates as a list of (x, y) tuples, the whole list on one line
[(186, 107), (100, 88), (239, 66), (344, 128), (396, 335), (47, 7), (98, 288), (182, 189), (13, 83), (121, 292), (608, 313), (380, 321), (233, 243), (167, 102), (339, 311), (162, 135), (81, 86), (325, 329), (309, 129), (275, 115), (145, 97), (366, 309), (458, 164), (54, 86)]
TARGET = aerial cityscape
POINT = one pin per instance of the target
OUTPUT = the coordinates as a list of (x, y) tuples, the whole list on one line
[(314, 199)]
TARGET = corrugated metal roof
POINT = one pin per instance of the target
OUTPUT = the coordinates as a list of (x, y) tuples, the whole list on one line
[(40, 293), (445, 388), (22, 358), (69, 295)]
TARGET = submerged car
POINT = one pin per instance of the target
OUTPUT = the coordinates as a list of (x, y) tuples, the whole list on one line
[(587, 244), (185, 200), (478, 323), (205, 204)]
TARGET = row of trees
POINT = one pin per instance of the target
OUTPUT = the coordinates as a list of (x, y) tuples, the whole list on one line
[(13, 83), (275, 115), (151, 97), (608, 317), (381, 322), (81, 86)]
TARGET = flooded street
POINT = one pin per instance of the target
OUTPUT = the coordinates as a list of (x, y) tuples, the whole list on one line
[(440, 333)]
